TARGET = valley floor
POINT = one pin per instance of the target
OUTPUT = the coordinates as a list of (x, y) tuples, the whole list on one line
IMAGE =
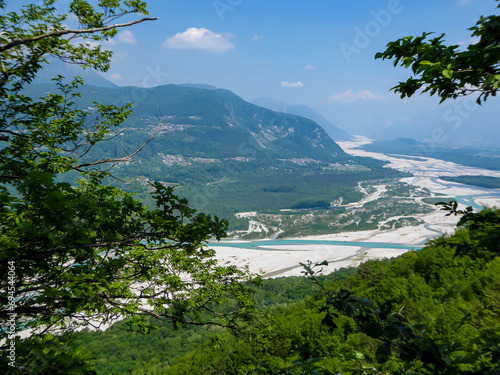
[(278, 260)]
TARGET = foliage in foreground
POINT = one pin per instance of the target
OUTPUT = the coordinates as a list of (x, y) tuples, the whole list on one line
[(434, 311), (430, 312), (87, 253), (448, 71)]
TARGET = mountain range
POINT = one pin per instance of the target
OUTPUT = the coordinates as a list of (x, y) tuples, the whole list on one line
[(454, 123), (461, 123), (224, 154), (211, 124)]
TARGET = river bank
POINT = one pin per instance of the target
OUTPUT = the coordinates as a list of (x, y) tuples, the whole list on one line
[(275, 258), (282, 259)]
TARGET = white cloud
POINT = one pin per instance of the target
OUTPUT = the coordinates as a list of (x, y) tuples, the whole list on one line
[(127, 37), (309, 67), (292, 85), (115, 77), (468, 42), (257, 37), (349, 96), (200, 39)]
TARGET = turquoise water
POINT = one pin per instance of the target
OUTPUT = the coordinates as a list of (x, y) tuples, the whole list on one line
[(264, 244), (468, 200)]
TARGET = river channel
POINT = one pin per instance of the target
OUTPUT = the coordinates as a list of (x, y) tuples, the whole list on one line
[(266, 244)]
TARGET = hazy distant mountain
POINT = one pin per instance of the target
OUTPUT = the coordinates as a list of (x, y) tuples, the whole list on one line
[(460, 123), (333, 131), (69, 71), (474, 157), (214, 124), (199, 86), (225, 155)]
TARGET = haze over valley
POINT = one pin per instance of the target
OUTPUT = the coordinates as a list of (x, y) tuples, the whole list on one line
[(233, 187), (278, 174)]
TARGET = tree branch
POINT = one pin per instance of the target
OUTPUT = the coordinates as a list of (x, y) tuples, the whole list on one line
[(125, 158), (19, 42)]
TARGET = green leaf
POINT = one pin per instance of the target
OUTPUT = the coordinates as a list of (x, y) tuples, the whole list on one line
[(448, 73), (427, 63)]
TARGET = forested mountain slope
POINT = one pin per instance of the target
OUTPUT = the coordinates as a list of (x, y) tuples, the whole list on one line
[(212, 123), (435, 311), (224, 154)]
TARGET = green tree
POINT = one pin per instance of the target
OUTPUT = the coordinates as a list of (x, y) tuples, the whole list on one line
[(88, 254), (446, 70)]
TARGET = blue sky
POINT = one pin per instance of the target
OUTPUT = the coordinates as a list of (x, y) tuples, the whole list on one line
[(318, 52), (297, 51)]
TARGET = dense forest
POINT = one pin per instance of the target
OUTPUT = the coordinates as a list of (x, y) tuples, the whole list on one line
[(433, 311), (483, 181), (78, 252)]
